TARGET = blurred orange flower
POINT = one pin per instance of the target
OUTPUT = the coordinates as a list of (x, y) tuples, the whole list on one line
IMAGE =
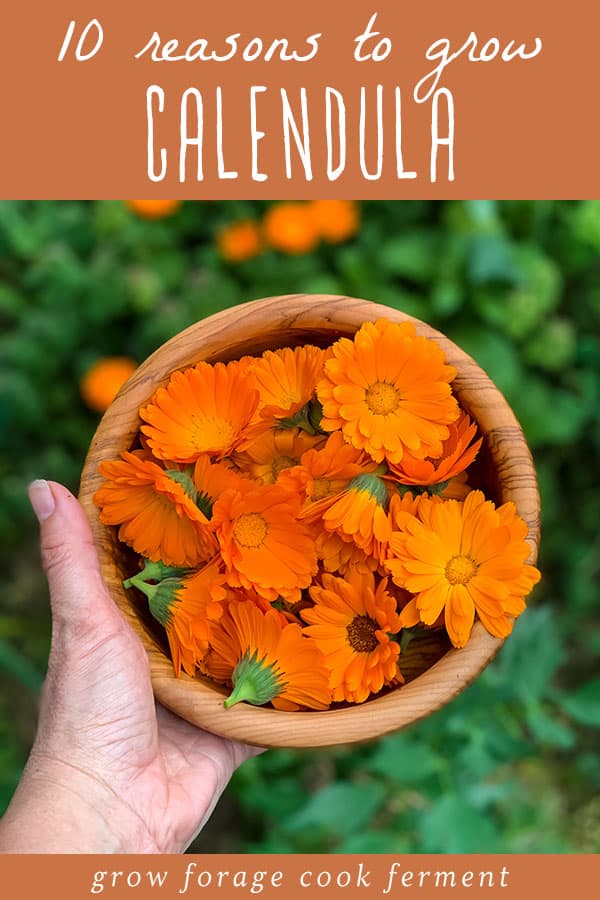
[(153, 209), (335, 220), (239, 241), (290, 228), (103, 381)]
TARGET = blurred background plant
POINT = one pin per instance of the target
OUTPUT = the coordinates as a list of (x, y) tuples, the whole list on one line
[(87, 289)]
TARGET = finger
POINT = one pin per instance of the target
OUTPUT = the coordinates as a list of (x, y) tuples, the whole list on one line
[(69, 557)]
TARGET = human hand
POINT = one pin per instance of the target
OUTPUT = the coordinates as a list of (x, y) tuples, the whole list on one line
[(109, 770)]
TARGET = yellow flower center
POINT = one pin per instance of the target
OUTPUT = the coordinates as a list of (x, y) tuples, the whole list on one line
[(280, 463), (216, 433), (460, 569), (321, 488), (382, 398), (360, 634), (250, 530)]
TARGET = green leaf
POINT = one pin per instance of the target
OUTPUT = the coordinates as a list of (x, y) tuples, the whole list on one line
[(584, 704), (404, 760), (339, 808), (452, 826)]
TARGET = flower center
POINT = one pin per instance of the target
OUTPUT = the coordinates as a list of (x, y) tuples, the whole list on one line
[(382, 398), (250, 530), (280, 463), (360, 634), (321, 487), (460, 569)]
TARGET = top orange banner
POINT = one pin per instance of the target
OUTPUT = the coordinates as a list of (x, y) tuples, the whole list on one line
[(381, 100)]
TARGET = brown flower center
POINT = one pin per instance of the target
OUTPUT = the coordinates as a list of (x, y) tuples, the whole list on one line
[(250, 530), (280, 463), (321, 487), (360, 634), (460, 569), (382, 398)]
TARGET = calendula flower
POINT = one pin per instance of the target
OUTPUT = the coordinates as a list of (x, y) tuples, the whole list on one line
[(187, 605), (353, 622), (265, 661), (389, 390), (204, 410), (359, 514), (210, 480), (286, 380), (239, 241), (103, 381), (335, 220), (458, 452), (156, 515), (463, 558), (323, 473), (153, 209), (263, 544), (290, 228), (275, 451), (342, 556)]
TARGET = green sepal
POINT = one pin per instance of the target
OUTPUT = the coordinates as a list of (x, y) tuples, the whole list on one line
[(373, 484), (253, 682), (184, 478), (418, 489), (308, 419), (202, 501), (154, 571)]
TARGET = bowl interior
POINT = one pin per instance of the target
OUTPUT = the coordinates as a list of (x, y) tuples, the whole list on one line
[(435, 673)]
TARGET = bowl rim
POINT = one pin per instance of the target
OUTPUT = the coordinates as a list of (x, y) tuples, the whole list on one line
[(227, 335)]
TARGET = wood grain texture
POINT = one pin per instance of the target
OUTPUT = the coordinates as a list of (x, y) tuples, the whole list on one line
[(506, 472)]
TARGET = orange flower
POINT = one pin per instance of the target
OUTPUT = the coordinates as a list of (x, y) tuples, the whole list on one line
[(206, 409), (352, 622), (187, 606), (262, 543), (267, 662), (210, 481), (239, 241), (103, 381), (343, 556), (455, 457), (286, 380), (335, 220), (322, 474), (359, 514), (463, 558), (153, 209), (156, 515), (388, 390), (275, 451), (290, 228)]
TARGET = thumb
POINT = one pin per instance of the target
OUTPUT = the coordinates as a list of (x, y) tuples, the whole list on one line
[(77, 592)]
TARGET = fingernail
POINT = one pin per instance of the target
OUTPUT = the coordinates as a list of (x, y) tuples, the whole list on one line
[(42, 499)]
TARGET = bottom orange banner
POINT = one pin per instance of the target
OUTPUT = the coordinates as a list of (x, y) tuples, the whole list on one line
[(223, 877)]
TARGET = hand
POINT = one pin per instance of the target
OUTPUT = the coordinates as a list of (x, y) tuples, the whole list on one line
[(109, 771)]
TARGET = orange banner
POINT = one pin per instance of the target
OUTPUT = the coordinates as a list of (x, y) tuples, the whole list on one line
[(224, 877), (264, 100)]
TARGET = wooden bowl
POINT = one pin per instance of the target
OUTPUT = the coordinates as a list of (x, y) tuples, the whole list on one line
[(505, 468)]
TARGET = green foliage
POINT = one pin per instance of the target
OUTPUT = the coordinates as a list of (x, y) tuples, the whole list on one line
[(510, 765)]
